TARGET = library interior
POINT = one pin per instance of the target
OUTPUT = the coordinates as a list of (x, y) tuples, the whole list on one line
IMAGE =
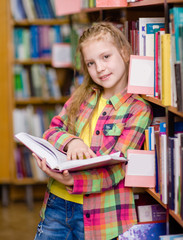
[(40, 69)]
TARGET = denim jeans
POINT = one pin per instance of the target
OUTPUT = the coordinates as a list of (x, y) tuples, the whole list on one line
[(63, 220)]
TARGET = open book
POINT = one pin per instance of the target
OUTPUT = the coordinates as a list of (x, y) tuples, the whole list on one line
[(57, 160)]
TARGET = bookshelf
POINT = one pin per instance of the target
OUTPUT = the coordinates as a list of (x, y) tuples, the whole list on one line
[(145, 8)]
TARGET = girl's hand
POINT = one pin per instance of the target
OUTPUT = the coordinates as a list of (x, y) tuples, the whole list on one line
[(77, 149), (64, 177)]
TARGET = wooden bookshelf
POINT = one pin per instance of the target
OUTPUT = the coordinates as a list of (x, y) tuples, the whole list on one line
[(8, 103)]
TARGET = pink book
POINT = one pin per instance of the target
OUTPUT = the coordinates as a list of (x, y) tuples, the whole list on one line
[(111, 3), (140, 170), (65, 7), (141, 75)]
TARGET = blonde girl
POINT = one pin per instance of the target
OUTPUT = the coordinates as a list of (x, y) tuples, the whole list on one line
[(99, 118)]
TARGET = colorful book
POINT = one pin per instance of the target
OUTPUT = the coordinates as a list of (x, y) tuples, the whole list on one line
[(150, 213), (150, 30), (176, 19), (142, 31), (148, 231), (166, 69)]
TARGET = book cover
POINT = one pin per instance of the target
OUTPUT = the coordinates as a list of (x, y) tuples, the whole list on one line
[(142, 31), (166, 69), (150, 30), (57, 161), (111, 3), (141, 75), (176, 19), (171, 187), (148, 231), (140, 170), (149, 213), (61, 55), (163, 168), (65, 7)]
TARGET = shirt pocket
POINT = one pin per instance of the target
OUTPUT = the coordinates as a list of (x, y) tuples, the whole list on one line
[(113, 129)]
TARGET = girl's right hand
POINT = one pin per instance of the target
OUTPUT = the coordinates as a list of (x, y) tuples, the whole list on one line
[(77, 149)]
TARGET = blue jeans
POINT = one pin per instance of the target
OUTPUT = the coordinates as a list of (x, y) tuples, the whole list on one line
[(63, 220)]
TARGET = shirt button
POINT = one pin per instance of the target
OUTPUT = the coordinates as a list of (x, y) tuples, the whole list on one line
[(110, 102), (97, 132), (104, 113), (87, 215)]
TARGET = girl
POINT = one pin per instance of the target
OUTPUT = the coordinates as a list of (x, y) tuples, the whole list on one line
[(100, 118)]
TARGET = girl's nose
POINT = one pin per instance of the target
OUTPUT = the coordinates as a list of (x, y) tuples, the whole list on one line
[(100, 67)]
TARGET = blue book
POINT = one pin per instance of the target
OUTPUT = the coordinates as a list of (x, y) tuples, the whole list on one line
[(34, 41), (21, 9), (38, 9), (176, 19), (58, 38), (148, 231)]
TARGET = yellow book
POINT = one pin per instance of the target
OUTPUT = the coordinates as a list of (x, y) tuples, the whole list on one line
[(146, 142), (166, 69)]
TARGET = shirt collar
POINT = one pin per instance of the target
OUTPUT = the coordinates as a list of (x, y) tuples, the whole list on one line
[(118, 99)]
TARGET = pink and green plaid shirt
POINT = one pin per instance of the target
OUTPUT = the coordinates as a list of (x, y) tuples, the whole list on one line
[(108, 206)]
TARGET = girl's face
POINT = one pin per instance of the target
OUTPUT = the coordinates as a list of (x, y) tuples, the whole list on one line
[(105, 65)]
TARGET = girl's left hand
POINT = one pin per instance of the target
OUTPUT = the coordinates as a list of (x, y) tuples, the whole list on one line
[(65, 177)]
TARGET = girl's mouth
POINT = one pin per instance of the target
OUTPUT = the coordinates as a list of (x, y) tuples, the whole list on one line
[(105, 77)]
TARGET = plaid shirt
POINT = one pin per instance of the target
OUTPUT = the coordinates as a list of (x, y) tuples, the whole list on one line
[(108, 206)]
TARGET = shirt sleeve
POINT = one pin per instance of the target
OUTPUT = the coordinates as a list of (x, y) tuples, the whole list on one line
[(57, 134), (132, 137)]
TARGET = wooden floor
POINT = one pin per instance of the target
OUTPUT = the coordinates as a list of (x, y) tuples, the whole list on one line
[(17, 222)]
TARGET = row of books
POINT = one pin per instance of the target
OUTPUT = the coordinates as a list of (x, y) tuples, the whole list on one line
[(36, 81), (151, 219), (26, 166), (37, 41), (33, 120), (49, 9), (168, 162), (32, 9), (148, 38)]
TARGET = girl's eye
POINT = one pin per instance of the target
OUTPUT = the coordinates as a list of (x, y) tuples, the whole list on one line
[(106, 56), (89, 64)]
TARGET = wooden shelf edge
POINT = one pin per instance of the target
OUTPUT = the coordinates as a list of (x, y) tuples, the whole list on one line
[(153, 100), (174, 110), (28, 181), (176, 217), (27, 22), (39, 100), (156, 196)]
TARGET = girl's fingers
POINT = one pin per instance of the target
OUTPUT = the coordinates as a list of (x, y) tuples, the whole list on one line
[(80, 155), (92, 154), (87, 154)]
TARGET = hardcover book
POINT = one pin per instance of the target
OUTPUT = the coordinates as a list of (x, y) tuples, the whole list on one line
[(57, 160)]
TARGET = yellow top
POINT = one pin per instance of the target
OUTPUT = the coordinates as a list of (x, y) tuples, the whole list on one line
[(59, 189)]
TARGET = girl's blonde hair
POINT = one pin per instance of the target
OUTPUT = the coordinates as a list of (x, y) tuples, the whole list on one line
[(97, 31)]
